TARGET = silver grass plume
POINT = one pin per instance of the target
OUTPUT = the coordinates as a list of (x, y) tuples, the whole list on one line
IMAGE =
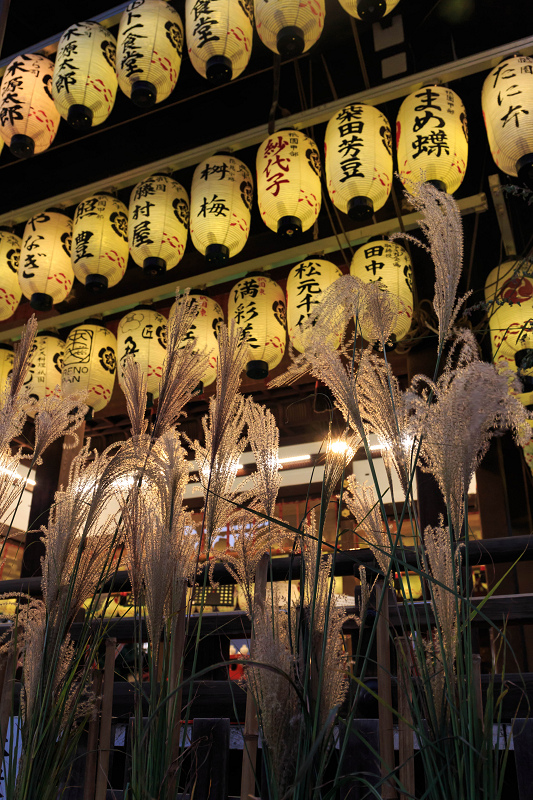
[(15, 398), (339, 453), (134, 388), (444, 567), (379, 313), (263, 435), (364, 505), (57, 416), (11, 483)]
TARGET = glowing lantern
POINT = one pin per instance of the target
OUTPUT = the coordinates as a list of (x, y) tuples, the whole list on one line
[(289, 27), (306, 284), (220, 42), (369, 10), (100, 241), (257, 305), (389, 264), (158, 223), (221, 204), (149, 48), (6, 364), (358, 147), (46, 363), (90, 363), (10, 291), (209, 316), (142, 334), (28, 116), (45, 271), (432, 138), (506, 101), (288, 182), (85, 83)]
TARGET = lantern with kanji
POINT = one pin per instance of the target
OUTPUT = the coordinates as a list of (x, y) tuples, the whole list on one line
[(84, 85), (432, 138), (28, 116), (100, 241), (45, 270), (358, 148), (46, 363), (289, 27), (10, 291), (142, 334), (158, 221), (219, 41), (368, 10), (221, 204), (204, 329), (506, 100), (387, 263), (6, 364), (288, 182), (149, 48), (257, 305), (306, 284), (90, 363)]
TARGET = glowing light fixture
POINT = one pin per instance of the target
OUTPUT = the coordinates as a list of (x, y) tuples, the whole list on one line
[(289, 27), (90, 363), (46, 363), (100, 241), (142, 334), (306, 284), (10, 291), (219, 37), (6, 363), (45, 271), (209, 316)]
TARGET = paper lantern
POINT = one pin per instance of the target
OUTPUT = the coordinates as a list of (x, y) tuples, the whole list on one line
[(100, 241), (10, 291), (257, 305), (288, 182), (358, 148), (289, 27), (369, 10), (389, 264), (142, 334), (306, 284), (6, 364), (221, 204), (219, 37), (85, 83), (45, 270), (149, 48), (506, 100), (90, 363), (158, 223), (432, 138), (209, 316), (46, 363), (28, 116)]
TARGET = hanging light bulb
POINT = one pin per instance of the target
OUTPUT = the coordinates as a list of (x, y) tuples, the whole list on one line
[(46, 363), (289, 27), (142, 334), (221, 204), (10, 291), (45, 270), (288, 182), (209, 317), (158, 220), (100, 241), (149, 48), (6, 364), (257, 305), (358, 148), (28, 116), (306, 284), (90, 363), (387, 263), (85, 83), (368, 10), (506, 101), (219, 38), (432, 138)]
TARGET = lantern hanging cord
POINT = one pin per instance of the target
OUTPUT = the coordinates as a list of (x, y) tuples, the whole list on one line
[(276, 75), (360, 55)]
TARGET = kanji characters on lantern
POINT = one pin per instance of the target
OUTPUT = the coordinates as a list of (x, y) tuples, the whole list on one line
[(306, 285), (46, 364), (204, 330), (142, 335), (100, 241), (45, 270), (10, 291), (90, 363)]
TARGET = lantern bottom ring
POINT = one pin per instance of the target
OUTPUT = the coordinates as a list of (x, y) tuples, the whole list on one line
[(289, 226), (218, 70), (290, 41), (371, 10), (524, 169), (217, 254), (198, 389), (440, 185), (41, 301), (154, 265), (257, 370), (144, 94), (22, 146), (96, 283), (360, 207), (80, 117)]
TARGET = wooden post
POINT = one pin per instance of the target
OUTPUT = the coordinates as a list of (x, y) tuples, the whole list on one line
[(405, 729), (105, 722), (92, 741), (386, 729)]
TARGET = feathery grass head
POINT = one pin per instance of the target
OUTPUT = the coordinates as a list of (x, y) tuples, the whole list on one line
[(57, 416), (263, 435), (134, 388), (364, 505)]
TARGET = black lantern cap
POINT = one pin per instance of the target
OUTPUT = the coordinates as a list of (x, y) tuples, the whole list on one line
[(218, 70), (41, 301), (154, 265), (290, 41), (440, 185), (96, 283), (257, 370), (22, 146), (371, 10), (360, 208), (217, 254), (143, 94), (524, 168), (199, 389), (524, 360), (80, 117), (6, 346), (289, 226)]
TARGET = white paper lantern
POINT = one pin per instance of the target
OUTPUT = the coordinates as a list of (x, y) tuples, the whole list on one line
[(158, 221), (100, 241), (6, 364), (507, 100), (149, 48), (28, 116), (389, 264), (209, 317), (257, 305), (84, 85), (45, 270), (288, 182), (142, 334), (90, 363), (221, 203), (358, 148), (10, 291), (289, 27), (369, 10), (46, 363), (306, 284), (219, 37), (432, 138)]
